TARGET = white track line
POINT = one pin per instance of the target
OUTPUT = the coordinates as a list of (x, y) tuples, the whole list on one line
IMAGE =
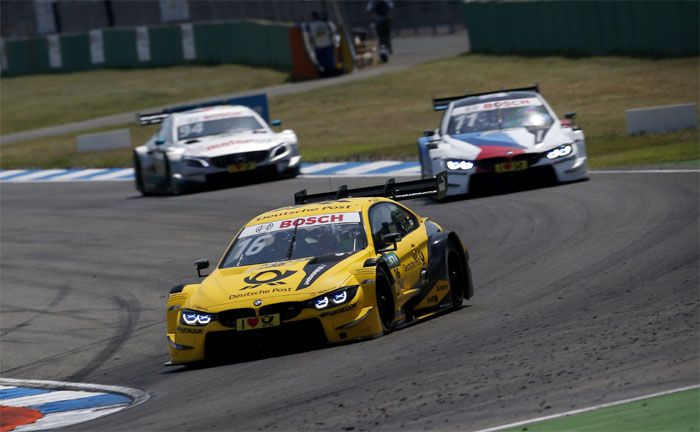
[(42, 173), (76, 174), (320, 167), (61, 395), (137, 396), (364, 168), (126, 174), (9, 173), (109, 176), (658, 171), (408, 171), (583, 410)]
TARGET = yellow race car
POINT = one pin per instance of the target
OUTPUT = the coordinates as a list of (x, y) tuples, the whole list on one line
[(333, 268)]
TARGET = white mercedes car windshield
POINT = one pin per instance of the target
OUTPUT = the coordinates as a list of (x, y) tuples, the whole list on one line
[(217, 127)]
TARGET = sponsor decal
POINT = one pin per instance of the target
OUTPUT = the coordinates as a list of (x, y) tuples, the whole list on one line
[(229, 114), (220, 145), (310, 278), (189, 330), (257, 293), (267, 277), (418, 260), (317, 267), (343, 309), (249, 294), (313, 220), (489, 106), (177, 296), (253, 323), (432, 299), (391, 259), (539, 132), (326, 219), (258, 302), (264, 227), (273, 265), (442, 286), (365, 271), (294, 211), (399, 282)]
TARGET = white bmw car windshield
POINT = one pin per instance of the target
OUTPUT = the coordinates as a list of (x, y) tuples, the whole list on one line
[(468, 121), (217, 127), (294, 243)]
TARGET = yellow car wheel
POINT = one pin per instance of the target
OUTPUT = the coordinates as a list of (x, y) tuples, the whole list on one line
[(385, 301), (456, 274)]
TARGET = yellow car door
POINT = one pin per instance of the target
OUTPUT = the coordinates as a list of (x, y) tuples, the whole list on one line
[(410, 256)]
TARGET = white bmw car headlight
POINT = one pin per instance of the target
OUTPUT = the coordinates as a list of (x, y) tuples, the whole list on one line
[(195, 318), (561, 151), (459, 165), (335, 298)]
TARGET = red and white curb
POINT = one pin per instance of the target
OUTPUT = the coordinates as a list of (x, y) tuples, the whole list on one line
[(31, 405), (324, 169)]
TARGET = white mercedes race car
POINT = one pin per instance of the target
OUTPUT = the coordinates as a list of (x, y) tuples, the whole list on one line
[(218, 142), (501, 138)]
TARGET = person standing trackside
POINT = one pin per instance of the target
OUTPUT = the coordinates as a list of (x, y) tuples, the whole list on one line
[(379, 11), (323, 39)]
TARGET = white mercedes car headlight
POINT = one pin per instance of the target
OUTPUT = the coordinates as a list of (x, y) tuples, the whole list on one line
[(280, 151), (459, 165), (195, 162), (561, 151)]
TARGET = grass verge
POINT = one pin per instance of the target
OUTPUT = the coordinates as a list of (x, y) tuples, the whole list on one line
[(37, 101), (675, 412), (380, 118)]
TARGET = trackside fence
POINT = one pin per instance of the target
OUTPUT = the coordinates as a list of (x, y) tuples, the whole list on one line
[(650, 28)]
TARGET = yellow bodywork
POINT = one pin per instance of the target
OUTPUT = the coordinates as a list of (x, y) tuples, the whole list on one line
[(227, 289)]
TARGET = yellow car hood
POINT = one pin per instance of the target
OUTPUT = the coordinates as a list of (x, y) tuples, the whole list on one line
[(294, 280)]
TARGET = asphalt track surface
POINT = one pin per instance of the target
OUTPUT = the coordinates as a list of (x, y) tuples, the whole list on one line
[(585, 293)]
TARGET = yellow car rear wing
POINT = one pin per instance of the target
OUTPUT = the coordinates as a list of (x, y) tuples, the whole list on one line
[(435, 187)]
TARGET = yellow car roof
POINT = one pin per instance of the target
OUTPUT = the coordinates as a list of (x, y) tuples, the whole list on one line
[(341, 206)]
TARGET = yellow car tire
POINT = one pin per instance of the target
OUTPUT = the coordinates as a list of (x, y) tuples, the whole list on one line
[(385, 301), (456, 276)]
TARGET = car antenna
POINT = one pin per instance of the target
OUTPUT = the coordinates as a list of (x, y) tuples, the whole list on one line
[(330, 188)]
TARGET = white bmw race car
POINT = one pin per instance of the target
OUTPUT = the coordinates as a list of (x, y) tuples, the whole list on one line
[(211, 143), (502, 137)]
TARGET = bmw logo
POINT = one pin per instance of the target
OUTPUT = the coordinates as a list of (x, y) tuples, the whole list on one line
[(257, 302)]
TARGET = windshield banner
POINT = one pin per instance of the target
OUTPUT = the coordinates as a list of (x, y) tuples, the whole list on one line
[(325, 219), (489, 106)]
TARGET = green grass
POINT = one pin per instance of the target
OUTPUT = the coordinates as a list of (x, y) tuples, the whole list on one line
[(46, 100), (381, 117), (616, 151), (675, 412)]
